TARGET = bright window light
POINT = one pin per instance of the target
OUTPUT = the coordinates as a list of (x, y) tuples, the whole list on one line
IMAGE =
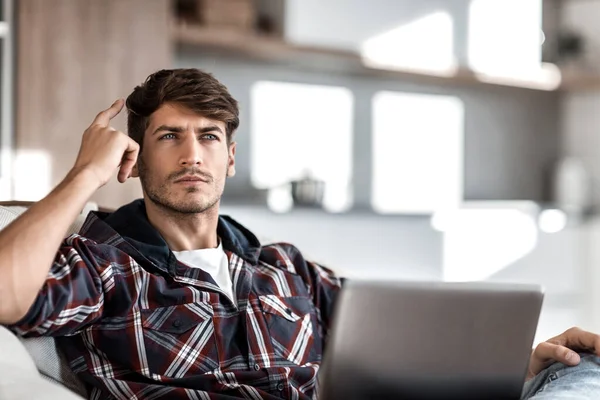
[(302, 130), (478, 243), (552, 221), (32, 175), (505, 37), (426, 44), (418, 151), (279, 199)]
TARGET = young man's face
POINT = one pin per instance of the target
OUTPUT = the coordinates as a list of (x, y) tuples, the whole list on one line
[(185, 160)]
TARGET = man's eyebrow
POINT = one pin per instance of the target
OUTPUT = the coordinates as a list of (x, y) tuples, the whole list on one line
[(210, 128), (179, 129), (168, 128)]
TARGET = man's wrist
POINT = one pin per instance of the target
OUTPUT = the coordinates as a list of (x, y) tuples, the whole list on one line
[(84, 179), (83, 176)]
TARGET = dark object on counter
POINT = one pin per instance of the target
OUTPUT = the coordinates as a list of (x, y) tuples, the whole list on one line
[(308, 192)]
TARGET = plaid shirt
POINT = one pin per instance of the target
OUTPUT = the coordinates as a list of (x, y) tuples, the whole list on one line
[(135, 323)]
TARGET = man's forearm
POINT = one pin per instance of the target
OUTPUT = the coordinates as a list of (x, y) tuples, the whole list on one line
[(29, 245)]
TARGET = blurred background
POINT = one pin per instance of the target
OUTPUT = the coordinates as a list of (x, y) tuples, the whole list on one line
[(454, 140)]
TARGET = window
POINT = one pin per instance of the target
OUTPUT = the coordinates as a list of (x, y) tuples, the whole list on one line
[(417, 153), (6, 90), (425, 44), (301, 131), (505, 37)]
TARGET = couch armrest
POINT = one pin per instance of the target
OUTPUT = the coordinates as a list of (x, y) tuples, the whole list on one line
[(19, 377), (13, 353), (17, 384)]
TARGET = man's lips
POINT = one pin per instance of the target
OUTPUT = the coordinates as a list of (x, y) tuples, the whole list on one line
[(191, 179)]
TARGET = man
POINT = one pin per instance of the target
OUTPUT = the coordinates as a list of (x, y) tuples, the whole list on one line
[(164, 298)]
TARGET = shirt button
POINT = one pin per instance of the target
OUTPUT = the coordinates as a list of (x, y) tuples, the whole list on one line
[(176, 323), (256, 367), (280, 387), (288, 310)]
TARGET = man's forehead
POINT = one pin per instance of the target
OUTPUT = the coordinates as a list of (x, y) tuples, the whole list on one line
[(178, 115)]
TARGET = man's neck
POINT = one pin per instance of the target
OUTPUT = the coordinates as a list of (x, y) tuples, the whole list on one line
[(185, 231)]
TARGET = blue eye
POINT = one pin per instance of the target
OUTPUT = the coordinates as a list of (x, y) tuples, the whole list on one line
[(210, 136), (167, 136)]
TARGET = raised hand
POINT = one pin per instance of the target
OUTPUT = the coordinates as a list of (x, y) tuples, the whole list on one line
[(104, 149)]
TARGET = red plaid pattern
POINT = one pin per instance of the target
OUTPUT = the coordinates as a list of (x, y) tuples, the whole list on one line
[(134, 323)]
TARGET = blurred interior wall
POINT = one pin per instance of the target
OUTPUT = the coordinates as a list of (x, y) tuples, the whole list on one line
[(579, 110), (75, 57), (511, 134), (580, 137)]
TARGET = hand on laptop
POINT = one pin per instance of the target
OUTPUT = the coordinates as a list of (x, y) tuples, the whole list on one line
[(563, 348)]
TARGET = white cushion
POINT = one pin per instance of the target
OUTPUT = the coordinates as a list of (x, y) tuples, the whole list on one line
[(13, 352), (17, 384), (43, 351)]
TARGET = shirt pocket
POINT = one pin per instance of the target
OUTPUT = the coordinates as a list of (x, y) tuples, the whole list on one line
[(180, 340), (292, 322)]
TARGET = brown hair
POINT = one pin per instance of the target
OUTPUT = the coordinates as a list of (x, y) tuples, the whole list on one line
[(192, 88)]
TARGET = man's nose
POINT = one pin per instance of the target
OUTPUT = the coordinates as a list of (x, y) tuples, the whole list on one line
[(191, 152)]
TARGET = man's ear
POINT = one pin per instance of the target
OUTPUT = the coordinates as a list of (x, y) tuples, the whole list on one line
[(231, 160)]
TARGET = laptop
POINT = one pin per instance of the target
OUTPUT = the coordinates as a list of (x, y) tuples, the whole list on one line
[(417, 340)]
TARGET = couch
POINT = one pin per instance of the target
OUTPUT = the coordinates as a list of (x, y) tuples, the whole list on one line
[(34, 368)]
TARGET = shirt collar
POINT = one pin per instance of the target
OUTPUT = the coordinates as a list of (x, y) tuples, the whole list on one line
[(131, 223)]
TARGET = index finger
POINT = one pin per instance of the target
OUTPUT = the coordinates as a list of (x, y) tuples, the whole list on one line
[(103, 118), (583, 340)]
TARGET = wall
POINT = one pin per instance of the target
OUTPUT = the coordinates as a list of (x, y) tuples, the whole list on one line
[(580, 137), (315, 22), (75, 58), (509, 143), (512, 140), (347, 23), (580, 134), (511, 135)]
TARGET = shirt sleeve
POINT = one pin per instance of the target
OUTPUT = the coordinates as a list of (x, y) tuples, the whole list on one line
[(323, 284), (72, 296)]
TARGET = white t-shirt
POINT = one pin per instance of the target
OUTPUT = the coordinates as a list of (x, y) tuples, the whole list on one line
[(214, 261)]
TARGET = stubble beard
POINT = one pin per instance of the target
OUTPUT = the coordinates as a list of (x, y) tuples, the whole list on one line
[(162, 196)]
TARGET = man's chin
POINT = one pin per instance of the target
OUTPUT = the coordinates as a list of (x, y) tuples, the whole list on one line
[(192, 204), (188, 208), (181, 204)]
